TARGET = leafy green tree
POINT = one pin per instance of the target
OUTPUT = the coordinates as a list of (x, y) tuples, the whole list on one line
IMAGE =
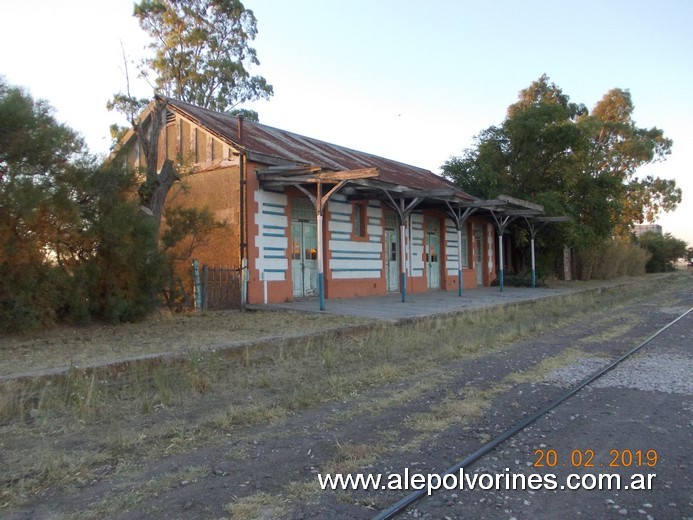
[(38, 158), (186, 230), (125, 272), (554, 152), (63, 219), (201, 55), (664, 251)]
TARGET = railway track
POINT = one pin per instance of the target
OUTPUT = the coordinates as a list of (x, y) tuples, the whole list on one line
[(468, 461)]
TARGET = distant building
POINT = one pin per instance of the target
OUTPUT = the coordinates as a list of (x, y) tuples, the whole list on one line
[(648, 228)]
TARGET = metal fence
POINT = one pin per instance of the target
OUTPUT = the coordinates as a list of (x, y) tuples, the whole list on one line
[(220, 288)]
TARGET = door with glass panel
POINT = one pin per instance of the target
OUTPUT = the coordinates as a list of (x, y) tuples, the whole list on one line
[(392, 260), (433, 260), (479, 255), (304, 258)]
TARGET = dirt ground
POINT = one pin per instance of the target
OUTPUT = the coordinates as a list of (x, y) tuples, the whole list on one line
[(423, 411)]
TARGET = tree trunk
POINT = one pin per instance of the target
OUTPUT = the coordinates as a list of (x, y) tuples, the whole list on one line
[(158, 192), (157, 184)]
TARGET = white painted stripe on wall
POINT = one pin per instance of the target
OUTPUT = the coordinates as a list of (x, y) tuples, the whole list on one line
[(340, 207), (374, 230), (355, 264), (339, 227), (374, 212), (416, 247), (450, 248), (353, 275), (273, 220), (270, 223)]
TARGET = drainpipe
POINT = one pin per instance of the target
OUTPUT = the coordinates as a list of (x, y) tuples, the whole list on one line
[(243, 231), (243, 221)]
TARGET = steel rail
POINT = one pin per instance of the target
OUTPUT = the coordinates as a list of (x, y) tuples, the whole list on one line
[(407, 501)]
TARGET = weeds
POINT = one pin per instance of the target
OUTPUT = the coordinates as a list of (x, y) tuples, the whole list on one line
[(117, 414), (350, 456), (260, 506), (129, 499)]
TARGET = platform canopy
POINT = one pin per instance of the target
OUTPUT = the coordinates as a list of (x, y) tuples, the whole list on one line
[(394, 190)]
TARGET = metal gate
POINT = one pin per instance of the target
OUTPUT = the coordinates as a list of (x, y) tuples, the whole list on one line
[(220, 288)]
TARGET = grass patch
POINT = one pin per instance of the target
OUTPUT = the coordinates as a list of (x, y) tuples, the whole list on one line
[(472, 403), (238, 416), (160, 333), (260, 506), (611, 333), (545, 367), (132, 414), (349, 457), (455, 409), (129, 499)]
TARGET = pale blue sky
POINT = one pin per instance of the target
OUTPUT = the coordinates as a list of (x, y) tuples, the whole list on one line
[(409, 80)]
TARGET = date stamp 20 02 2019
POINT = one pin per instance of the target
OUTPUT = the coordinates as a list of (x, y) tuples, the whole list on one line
[(586, 458)]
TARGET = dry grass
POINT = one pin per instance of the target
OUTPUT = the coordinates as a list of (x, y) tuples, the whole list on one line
[(456, 409), (182, 333), (349, 457), (615, 331), (472, 403), (93, 421), (260, 506), (161, 333), (545, 367), (129, 499)]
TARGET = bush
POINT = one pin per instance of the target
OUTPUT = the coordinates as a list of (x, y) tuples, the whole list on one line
[(523, 279), (610, 259), (74, 245), (664, 251)]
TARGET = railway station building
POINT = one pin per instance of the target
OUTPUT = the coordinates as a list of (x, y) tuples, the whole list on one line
[(309, 218)]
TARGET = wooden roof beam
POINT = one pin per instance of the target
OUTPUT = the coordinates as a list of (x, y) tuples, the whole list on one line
[(292, 175), (522, 203), (553, 219), (517, 212), (286, 171), (348, 175)]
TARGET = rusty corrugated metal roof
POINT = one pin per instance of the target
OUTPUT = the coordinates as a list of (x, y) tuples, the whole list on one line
[(288, 146)]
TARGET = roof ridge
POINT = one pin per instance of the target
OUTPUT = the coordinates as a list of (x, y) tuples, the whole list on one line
[(257, 123), (294, 144)]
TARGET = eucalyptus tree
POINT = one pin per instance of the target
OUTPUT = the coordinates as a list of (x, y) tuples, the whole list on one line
[(619, 149), (201, 54)]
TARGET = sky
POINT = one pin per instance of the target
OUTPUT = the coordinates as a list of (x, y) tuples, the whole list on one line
[(408, 80)]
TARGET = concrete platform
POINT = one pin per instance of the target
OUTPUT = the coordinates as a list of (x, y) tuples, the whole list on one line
[(391, 308)]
